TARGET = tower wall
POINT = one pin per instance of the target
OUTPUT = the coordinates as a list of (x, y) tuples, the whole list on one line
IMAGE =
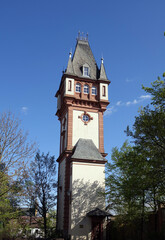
[(88, 182), (82, 100), (86, 131), (61, 188)]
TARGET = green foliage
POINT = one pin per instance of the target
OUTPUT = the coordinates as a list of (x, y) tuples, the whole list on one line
[(157, 92), (126, 183), (135, 177), (8, 212)]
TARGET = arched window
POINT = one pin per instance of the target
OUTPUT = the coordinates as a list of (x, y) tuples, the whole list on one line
[(86, 89), (94, 91), (78, 87)]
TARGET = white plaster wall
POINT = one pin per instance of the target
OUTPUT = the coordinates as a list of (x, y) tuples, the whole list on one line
[(67, 84), (61, 194), (89, 131), (88, 179), (101, 91)]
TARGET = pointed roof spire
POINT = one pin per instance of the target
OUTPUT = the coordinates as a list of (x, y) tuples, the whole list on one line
[(83, 55), (103, 75), (70, 65)]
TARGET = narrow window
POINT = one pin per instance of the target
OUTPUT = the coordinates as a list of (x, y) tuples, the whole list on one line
[(94, 91), (86, 89), (104, 91), (78, 87), (69, 85)]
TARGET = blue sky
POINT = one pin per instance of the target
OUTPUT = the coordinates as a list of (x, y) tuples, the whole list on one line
[(36, 37)]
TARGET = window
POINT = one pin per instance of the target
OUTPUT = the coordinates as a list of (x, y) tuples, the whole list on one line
[(69, 85), (86, 71), (86, 89), (104, 91), (85, 118), (78, 87), (94, 91)]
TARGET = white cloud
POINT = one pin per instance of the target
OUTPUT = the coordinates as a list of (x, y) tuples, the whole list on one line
[(118, 103), (110, 110), (129, 80), (113, 109), (135, 101), (128, 103), (24, 110), (145, 97), (132, 102)]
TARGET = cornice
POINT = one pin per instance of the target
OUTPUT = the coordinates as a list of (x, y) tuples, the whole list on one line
[(85, 79), (64, 154), (88, 161)]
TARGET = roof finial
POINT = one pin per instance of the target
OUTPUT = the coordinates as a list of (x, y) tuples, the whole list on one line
[(82, 37), (63, 70), (70, 53), (102, 60)]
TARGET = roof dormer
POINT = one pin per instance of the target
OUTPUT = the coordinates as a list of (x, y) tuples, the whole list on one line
[(86, 70)]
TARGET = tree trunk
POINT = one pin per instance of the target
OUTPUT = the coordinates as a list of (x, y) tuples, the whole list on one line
[(155, 210), (142, 216), (44, 215)]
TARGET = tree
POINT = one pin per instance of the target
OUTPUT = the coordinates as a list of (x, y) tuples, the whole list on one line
[(149, 136), (14, 146), (136, 177), (126, 186), (14, 153), (42, 185)]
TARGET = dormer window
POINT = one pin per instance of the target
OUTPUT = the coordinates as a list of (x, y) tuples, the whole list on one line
[(86, 70)]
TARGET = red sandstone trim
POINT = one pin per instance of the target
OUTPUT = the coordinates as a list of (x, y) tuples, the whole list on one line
[(66, 196), (101, 133)]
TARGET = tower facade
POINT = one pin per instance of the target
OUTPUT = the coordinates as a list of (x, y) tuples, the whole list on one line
[(82, 99)]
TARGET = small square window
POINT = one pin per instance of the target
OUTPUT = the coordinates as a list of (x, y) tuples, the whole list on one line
[(78, 87), (86, 89), (94, 91)]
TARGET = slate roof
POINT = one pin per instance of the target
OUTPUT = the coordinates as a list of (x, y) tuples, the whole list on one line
[(85, 149), (69, 69), (82, 55), (98, 213), (103, 75)]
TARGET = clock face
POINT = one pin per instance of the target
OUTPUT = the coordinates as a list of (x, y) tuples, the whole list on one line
[(85, 118)]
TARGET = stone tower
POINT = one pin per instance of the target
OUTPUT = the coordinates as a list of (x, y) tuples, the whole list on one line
[(82, 100)]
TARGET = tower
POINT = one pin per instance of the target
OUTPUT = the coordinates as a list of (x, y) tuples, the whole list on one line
[(82, 99)]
